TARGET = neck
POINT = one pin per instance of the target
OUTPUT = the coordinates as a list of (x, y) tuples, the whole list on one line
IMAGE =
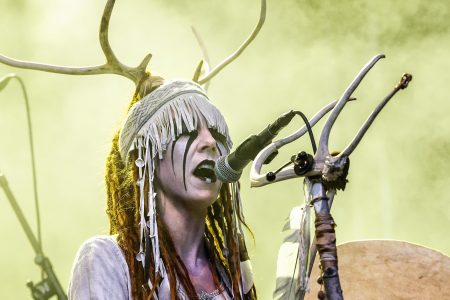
[(186, 226)]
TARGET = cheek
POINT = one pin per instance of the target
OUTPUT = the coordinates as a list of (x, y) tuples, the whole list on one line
[(172, 163), (177, 147), (164, 169)]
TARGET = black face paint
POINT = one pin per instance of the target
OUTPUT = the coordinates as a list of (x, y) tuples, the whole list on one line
[(218, 136), (192, 136), (184, 131), (171, 157)]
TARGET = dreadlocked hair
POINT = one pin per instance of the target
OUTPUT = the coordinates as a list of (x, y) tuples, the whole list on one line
[(123, 212)]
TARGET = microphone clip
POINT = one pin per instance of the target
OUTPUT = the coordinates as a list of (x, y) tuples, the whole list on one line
[(303, 163)]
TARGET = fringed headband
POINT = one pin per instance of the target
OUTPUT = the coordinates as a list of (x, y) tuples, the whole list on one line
[(160, 116)]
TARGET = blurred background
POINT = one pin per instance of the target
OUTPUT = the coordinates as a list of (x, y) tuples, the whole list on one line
[(305, 56)]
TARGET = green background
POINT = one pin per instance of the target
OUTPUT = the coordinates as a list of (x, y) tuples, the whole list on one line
[(305, 56)]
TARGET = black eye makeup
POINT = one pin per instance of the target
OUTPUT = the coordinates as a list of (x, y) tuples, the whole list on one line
[(184, 130), (192, 136), (218, 136)]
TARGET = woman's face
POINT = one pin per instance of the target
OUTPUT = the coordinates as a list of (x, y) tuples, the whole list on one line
[(186, 172)]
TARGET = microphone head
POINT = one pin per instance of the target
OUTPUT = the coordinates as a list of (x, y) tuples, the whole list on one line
[(224, 172)]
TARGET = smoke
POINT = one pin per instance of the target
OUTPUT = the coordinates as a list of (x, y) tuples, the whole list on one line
[(305, 56)]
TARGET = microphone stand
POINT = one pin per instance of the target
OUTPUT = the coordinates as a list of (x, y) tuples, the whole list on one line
[(49, 286)]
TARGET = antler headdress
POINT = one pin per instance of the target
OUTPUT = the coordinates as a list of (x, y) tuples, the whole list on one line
[(142, 78)]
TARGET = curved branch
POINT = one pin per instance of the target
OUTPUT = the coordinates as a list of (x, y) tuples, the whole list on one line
[(256, 178), (323, 150), (406, 78)]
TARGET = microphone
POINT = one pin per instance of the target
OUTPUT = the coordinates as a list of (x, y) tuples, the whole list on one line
[(229, 168)]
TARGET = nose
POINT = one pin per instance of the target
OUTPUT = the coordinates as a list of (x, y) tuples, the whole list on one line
[(206, 140)]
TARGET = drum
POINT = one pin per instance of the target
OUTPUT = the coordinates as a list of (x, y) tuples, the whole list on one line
[(383, 269)]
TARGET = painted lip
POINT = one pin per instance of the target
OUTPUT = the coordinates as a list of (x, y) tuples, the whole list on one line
[(205, 171)]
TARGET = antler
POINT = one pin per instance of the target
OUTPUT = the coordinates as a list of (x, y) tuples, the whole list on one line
[(112, 65), (203, 63), (403, 84), (234, 55), (333, 169), (256, 178), (136, 74), (323, 151)]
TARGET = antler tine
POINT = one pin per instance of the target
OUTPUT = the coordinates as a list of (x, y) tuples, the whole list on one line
[(112, 65), (316, 118), (51, 68), (406, 78), (198, 71), (104, 33), (205, 62), (323, 150), (258, 179), (234, 55)]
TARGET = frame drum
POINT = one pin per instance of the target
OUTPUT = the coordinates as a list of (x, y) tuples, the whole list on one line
[(383, 269)]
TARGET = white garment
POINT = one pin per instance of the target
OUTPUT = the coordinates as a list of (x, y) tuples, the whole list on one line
[(100, 272)]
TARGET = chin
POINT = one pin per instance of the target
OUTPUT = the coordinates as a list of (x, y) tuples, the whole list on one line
[(200, 191), (203, 199), (207, 198)]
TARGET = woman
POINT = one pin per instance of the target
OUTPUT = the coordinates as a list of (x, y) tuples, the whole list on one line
[(175, 229)]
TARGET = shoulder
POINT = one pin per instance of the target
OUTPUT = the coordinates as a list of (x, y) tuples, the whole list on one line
[(100, 271), (101, 247)]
